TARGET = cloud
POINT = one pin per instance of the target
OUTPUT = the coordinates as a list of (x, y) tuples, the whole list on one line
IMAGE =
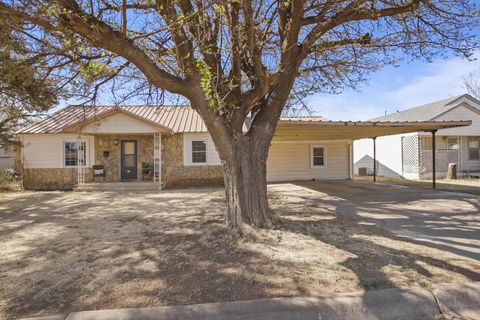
[(442, 79), (397, 89)]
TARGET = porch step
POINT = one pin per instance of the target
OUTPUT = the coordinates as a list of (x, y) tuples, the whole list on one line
[(120, 187)]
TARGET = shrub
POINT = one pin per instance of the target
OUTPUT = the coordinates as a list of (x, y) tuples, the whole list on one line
[(8, 181)]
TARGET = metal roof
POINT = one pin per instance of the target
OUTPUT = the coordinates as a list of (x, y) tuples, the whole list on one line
[(426, 112), (175, 118), (178, 119), (353, 130)]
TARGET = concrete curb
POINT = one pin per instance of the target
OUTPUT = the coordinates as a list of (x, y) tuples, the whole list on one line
[(459, 300), (451, 299)]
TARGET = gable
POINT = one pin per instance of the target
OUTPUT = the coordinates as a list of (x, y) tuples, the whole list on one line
[(461, 112), (119, 123)]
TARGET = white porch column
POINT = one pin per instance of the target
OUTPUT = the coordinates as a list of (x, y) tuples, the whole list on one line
[(157, 158)]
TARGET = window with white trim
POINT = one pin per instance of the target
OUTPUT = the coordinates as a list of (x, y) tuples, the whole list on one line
[(473, 148), (74, 152), (199, 151), (453, 143), (318, 156)]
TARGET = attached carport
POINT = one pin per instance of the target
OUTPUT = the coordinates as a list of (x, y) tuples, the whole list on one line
[(312, 130)]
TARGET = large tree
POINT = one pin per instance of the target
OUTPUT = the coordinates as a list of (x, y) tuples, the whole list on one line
[(25, 91), (235, 59)]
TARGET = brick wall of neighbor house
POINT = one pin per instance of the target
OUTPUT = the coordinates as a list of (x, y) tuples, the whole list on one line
[(176, 174), (52, 178), (112, 163)]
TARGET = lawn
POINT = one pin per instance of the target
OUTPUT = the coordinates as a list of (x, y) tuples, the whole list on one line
[(72, 251)]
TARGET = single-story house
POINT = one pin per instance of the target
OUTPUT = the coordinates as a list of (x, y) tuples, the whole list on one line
[(170, 145), (410, 155)]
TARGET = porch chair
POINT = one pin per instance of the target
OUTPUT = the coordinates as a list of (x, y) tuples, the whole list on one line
[(147, 171), (99, 171)]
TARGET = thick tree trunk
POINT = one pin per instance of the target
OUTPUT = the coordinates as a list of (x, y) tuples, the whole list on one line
[(246, 187)]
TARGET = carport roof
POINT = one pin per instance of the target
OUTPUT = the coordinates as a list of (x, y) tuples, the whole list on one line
[(294, 130)]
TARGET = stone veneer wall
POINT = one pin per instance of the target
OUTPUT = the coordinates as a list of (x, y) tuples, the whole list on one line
[(112, 163), (53, 178), (175, 174)]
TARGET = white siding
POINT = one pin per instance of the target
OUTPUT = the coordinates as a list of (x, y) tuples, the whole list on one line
[(46, 150), (460, 113), (212, 154), (292, 161), (389, 154), (119, 123), (6, 158)]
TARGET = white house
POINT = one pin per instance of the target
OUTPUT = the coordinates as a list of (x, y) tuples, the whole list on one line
[(170, 145), (410, 155)]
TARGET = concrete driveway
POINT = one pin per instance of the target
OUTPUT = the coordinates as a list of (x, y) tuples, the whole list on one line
[(448, 221)]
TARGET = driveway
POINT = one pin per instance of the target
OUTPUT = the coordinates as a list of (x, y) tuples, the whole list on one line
[(448, 221)]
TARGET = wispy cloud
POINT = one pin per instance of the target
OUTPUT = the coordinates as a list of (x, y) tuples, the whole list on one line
[(397, 89)]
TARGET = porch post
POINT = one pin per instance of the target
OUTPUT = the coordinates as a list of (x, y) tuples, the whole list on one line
[(374, 159), (157, 155), (434, 169)]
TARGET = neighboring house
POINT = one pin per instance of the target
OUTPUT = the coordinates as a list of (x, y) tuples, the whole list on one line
[(6, 158), (60, 151), (410, 155)]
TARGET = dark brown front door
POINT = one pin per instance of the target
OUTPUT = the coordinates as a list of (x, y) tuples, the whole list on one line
[(128, 160)]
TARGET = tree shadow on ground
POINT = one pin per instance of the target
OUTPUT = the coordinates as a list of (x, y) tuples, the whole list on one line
[(442, 220), (65, 252)]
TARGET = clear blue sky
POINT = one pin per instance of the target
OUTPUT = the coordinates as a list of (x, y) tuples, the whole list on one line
[(397, 88)]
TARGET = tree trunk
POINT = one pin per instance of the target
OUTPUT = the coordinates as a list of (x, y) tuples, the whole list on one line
[(246, 186)]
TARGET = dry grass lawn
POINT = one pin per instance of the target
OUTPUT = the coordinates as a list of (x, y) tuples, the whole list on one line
[(63, 252)]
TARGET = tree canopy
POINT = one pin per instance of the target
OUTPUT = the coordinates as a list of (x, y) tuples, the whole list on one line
[(25, 91)]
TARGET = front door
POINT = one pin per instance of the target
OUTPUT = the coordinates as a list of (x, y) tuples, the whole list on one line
[(128, 160)]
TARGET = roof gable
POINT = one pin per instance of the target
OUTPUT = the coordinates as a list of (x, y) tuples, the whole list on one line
[(171, 118), (117, 122), (431, 110)]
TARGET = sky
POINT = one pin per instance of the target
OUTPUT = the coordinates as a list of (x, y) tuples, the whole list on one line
[(395, 89)]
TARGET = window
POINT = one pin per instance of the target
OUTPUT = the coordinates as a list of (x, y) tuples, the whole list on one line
[(473, 148), (452, 143), (318, 156), (74, 152), (199, 152)]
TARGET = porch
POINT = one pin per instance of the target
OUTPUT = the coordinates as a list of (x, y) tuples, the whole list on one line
[(122, 158), (119, 187), (418, 156)]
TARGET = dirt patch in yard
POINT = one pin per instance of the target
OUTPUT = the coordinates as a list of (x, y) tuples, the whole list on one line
[(65, 252)]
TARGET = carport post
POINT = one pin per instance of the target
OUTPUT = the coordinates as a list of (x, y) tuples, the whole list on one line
[(374, 159), (434, 151)]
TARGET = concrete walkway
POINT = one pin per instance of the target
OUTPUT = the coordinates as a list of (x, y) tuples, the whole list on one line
[(443, 301)]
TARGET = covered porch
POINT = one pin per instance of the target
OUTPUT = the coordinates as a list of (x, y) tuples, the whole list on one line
[(125, 158), (123, 149)]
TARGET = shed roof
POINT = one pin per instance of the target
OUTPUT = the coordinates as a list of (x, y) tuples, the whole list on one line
[(426, 112)]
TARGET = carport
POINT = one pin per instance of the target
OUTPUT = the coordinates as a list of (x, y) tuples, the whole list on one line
[(313, 129)]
